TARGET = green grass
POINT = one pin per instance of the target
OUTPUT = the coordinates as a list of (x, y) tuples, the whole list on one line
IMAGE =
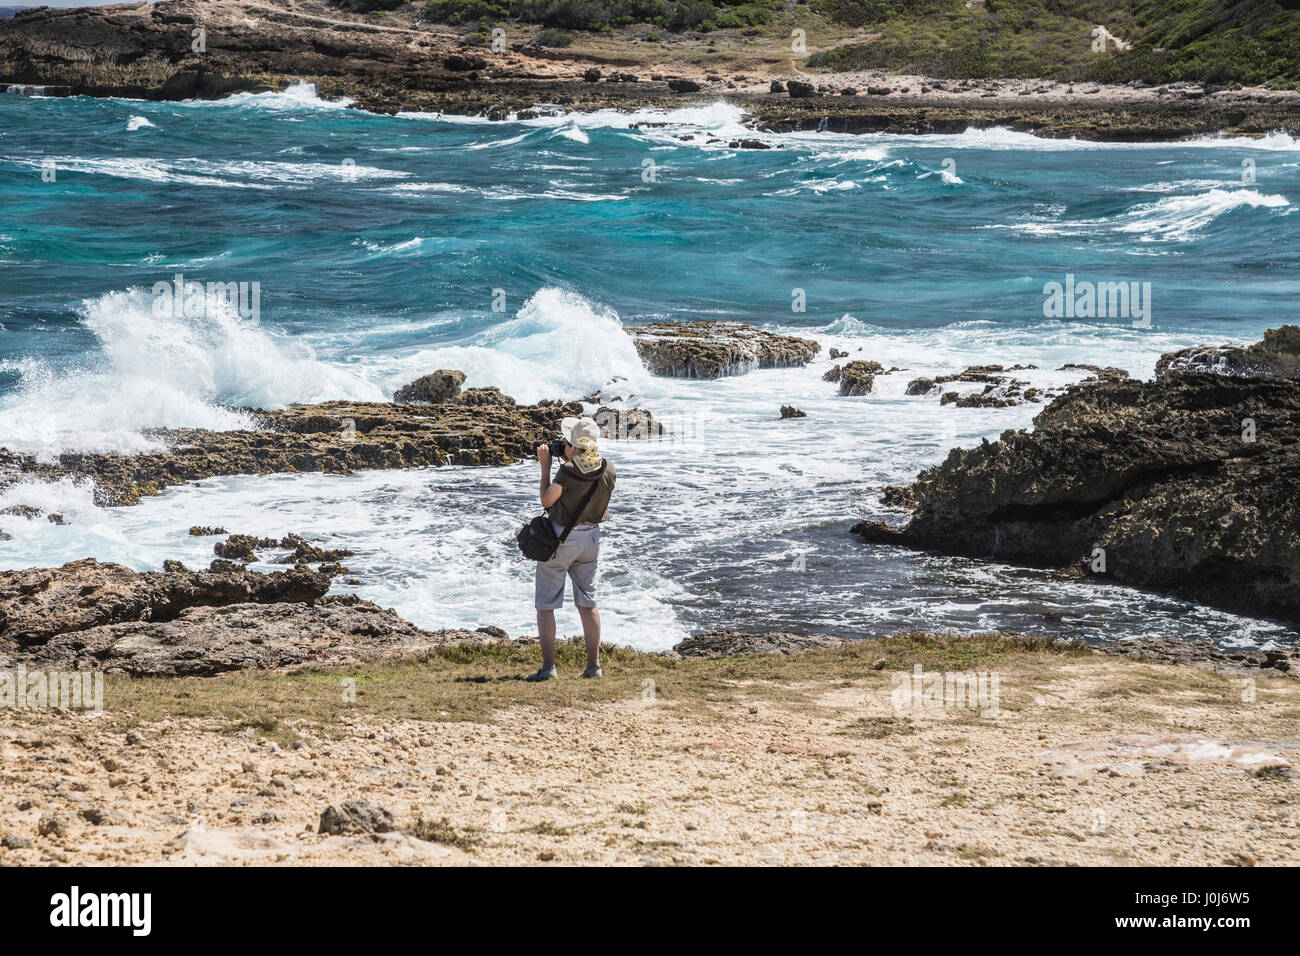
[(1213, 41)]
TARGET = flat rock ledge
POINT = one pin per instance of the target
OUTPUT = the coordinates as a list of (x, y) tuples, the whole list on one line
[(480, 427), (745, 644), (715, 349), (93, 615), (1203, 654), (1185, 484)]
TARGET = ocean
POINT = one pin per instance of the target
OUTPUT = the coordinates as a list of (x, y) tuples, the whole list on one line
[(384, 247)]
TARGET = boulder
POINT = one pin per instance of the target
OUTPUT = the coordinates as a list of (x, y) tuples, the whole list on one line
[(920, 386), (440, 386), (789, 411), (715, 349), (355, 818), (857, 378), (626, 423), (678, 85), (799, 89)]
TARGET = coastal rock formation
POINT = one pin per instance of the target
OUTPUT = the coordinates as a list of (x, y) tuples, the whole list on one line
[(1186, 484), (855, 378), (714, 349), (1099, 374), (104, 616), (740, 643), (1170, 650), (210, 640), (38, 604), (333, 437), (440, 386), (627, 423), (789, 411), (1277, 354)]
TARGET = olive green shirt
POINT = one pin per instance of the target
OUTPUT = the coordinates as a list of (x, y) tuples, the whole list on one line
[(576, 485)]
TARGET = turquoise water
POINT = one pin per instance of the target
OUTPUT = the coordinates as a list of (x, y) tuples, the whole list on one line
[(379, 246)]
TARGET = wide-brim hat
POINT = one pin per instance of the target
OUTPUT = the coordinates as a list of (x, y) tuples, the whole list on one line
[(575, 428)]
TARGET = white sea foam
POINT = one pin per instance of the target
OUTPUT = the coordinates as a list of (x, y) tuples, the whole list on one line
[(138, 122), (299, 96), (153, 371), (558, 345), (1173, 218)]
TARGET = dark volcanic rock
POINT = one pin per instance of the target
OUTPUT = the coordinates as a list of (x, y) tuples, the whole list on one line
[(739, 643), (1278, 354), (1107, 374), (356, 817), (485, 396), (856, 378), (714, 349), (789, 411), (1166, 478), (39, 604), (799, 89), (440, 386), (920, 386), (627, 423), (332, 437), (684, 86)]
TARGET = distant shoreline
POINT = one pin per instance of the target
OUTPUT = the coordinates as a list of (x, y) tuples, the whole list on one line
[(393, 64)]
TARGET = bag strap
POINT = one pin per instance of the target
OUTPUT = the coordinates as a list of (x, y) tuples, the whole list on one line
[(586, 500)]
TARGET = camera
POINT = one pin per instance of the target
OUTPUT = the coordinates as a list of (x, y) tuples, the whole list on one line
[(556, 447)]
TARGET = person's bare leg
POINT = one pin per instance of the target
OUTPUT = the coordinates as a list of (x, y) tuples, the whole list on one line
[(546, 634), (591, 634), (546, 631)]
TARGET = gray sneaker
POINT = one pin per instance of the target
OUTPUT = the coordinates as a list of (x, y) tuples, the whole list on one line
[(593, 671), (546, 673)]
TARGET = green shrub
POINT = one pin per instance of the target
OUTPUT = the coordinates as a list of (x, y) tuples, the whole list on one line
[(552, 38)]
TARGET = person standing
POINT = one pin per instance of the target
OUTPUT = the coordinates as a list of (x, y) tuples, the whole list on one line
[(576, 558)]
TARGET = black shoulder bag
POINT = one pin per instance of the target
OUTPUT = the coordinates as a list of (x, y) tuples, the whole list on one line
[(537, 539)]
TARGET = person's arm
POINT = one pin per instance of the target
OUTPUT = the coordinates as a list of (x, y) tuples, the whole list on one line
[(548, 492)]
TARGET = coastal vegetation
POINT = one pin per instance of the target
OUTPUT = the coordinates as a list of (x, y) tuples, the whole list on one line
[(1159, 41)]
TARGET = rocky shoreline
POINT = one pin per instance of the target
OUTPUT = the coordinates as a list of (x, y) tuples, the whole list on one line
[(337, 437), (93, 616), (147, 50), (1184, 484)]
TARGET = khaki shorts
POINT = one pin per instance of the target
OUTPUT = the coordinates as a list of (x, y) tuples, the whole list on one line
[(575, 559)]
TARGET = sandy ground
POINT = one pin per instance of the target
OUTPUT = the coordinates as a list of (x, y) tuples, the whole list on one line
[(1088, 761)]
